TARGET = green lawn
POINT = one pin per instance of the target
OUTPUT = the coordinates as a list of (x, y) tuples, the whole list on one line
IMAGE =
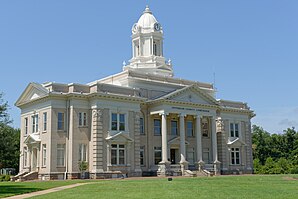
[(16, 188), (278, 186)]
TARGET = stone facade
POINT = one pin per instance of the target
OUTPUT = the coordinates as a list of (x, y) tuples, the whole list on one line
[(141, 121)]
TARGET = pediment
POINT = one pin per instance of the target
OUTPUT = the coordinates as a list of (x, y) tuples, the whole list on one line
[(191, 94), (236, 142), (176, 141), (32, 92), (32, 139), (120, 138)]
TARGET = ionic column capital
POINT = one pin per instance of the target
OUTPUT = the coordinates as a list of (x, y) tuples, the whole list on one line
[(182, 115)]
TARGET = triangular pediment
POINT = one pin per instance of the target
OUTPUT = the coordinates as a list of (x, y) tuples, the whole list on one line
[(236, 142), (119, 138), (32, 139), (32, 92), (176, 141), (191, 94)]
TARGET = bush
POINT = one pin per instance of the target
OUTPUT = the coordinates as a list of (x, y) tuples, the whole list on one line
[(4, 178)]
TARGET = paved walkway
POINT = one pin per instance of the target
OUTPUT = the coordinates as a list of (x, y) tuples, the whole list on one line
[(37, 193)]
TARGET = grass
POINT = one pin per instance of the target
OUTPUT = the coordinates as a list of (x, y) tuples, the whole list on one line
[(275, 186), (15, 188)]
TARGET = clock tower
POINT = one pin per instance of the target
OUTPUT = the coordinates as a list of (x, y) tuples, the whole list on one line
[(147, 47)]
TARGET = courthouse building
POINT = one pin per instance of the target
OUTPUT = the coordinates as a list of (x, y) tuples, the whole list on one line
[(141, 121)]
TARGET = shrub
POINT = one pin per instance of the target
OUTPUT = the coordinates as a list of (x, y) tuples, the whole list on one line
[(4, 178)]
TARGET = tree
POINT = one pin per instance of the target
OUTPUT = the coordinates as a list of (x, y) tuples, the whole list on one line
[(10, 139), (275, 153), (4, 118), (9, 147)]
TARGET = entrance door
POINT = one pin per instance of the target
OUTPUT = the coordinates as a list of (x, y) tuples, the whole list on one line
[(173, 156)]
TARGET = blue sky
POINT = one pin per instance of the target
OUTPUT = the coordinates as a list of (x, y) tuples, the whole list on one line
[(251, 46)]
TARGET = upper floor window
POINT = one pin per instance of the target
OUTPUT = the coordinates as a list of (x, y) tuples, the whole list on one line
[(118, 122), (174, 127), (118, 154), (45, 121), (34, 123), (189, 126), (235, 156), (234, 130), (60, 121), (82, 119), (205, 127), (142, 126), (157, 127), (26, 125)]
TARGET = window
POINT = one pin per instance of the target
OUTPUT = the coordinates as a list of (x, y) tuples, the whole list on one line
[(142, 132), (206, 154), (142, 153), (189, 128), (205, 127), (235, 156), (60, 121), (234, 130), (157, 127), (82, 119), (122, 122), (44, 121), (118, 122), (34, 123), (25, 157), (191, 155), (83, 152), (60, 155), (44, 155), (118, 154), (154, 48), (157, 155), (26, 125), (174, 127)]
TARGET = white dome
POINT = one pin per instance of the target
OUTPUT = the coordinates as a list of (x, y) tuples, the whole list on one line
[(147, 20), (147, 23)]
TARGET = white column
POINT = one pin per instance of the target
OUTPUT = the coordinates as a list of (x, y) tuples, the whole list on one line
[(199, 138), (182, 138), (108, 156), (164, 138), (214, 140)]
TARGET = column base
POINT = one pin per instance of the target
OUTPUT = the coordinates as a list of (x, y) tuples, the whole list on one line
[(164, 169), (216, 165), (184, 166), (200, 165)]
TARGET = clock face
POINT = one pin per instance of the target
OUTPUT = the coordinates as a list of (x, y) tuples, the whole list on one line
[(157, 26), (134, 28)]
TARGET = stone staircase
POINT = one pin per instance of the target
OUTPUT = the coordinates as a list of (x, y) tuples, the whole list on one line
[(33, 175), (17, 177)]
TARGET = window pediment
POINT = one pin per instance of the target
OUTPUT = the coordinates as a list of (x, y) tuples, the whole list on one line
[(120, 138), (236, 142)]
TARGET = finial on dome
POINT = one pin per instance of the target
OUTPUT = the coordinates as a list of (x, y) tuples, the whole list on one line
[(147, 10)]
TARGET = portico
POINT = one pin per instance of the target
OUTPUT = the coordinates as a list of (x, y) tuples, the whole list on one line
[(170, 115)]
